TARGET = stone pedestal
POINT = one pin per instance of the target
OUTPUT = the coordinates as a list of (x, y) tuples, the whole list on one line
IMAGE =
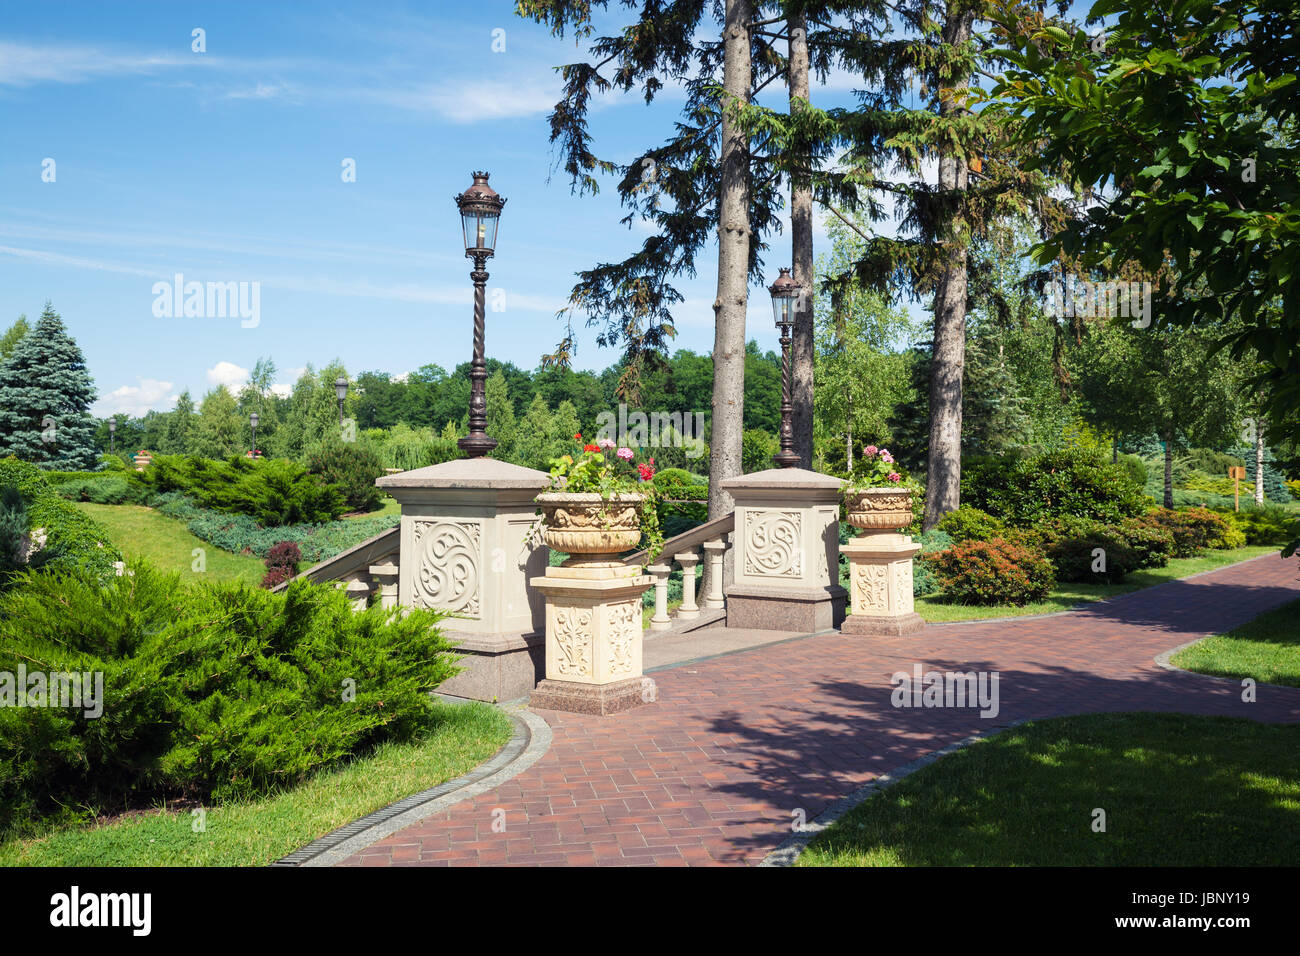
[(593, 639), (786, 544), (466, 549), (880, 585)]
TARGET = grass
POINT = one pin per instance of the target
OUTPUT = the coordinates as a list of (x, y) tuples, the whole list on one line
[(257, 832), (937, 609), (388, 506), (1267, 649), (166, 543), (1177, 790)]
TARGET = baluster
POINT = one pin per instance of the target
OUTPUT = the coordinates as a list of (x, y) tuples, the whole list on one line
[(661, 621), (714, 550), (688, 560)]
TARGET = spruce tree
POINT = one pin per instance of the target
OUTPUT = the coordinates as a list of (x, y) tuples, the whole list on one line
[(45, 397)]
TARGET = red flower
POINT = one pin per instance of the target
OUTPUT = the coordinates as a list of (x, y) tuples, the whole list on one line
[(591, 448), (646, 472), (578, 437)]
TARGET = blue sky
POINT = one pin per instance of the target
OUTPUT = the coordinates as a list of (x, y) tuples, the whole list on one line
[(225, 166)]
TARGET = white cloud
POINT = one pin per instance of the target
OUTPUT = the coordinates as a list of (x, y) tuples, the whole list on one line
[(25, 65), (228, 374), (282, 390), (474, 102), (135, 400)]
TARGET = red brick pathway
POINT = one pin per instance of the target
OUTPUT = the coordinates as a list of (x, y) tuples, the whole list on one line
[(713, 771)]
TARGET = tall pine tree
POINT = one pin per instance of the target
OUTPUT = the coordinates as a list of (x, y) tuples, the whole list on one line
[(45, 396)]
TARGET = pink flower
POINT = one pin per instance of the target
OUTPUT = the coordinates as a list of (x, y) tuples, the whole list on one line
[(605, 443), (894, 476), (625, 454), (886, 457), (870, 450)]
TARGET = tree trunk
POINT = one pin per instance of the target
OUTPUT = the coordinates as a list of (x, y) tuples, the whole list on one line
[(1169, 472), (1259, 460), (848, 437), (801, 235), (943, 477), (733, 267)]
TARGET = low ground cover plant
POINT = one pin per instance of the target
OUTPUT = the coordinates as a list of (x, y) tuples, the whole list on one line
[(242, 535), (211, 692), (42, 528)]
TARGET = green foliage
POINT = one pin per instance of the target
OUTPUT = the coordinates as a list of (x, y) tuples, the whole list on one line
[(72, 539), (923, 577), (352, 466), (1201, 184), (1136, 468), (1099, 555), (209, 692), (1066, 481), (272, 491), (45, 395), (992, 572), (1193, 529), (103, 488), (240, 534), (757, 448), (969, 523), (1264, 525)]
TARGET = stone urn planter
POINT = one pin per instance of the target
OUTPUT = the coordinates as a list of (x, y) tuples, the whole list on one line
[(143, 460), (878, 509), (588, 527)]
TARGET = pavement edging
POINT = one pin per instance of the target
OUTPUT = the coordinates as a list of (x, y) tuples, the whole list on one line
[(528, 744)]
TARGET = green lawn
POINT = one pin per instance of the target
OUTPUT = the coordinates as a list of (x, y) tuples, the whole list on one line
[(258, 832), (1267, 649), (1177, 790), (144, 533), (1065, 596)]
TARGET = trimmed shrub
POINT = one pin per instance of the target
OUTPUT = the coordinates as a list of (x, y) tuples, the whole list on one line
[(71, 537), (353, 467), (1067, 481), (968, 523), (923, 578), (273, 491), (1193, 528), (209, 692), (1100, 555), (993, 572), (1263, 525), (103, 488), (281, 563), (1151, 542)]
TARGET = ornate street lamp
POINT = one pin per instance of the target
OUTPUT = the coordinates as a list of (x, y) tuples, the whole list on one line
[(480, 214), (784, 293), (341, 391), (112, 433), (252, 420)]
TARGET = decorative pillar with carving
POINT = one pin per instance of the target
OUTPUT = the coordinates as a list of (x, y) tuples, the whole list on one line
[(786, 551), (593, 609), (880, 563), (467, 549)]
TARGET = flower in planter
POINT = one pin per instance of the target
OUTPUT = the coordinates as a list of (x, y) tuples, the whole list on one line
[(626, 454), (602, 471), (876, 469), (606, 444)]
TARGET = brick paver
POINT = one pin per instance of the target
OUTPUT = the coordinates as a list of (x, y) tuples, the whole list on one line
[(713, 771)]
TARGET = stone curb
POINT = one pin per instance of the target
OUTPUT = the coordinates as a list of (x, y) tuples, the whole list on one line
[(796, 843), (1165, 660), (530, 741)]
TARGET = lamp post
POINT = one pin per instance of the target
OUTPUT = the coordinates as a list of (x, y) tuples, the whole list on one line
[(112, 434), (341, 391), (784, 293), (480, 214), (252, 420)]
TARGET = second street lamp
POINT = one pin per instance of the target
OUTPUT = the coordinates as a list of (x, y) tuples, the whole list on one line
[(112, 434), (252, 420), (480, 214), (784, 293), (341, 390)]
